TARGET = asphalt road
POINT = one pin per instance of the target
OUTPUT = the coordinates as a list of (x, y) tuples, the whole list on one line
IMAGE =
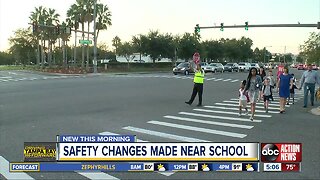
[(37, 107)]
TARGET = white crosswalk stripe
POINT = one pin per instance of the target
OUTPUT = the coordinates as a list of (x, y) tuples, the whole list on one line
[(4, 171), (12, 79), (209, 122), (236, 105), (237, 109), (164, 135), (227, 112), (203, 130), (219, 117), (276, 104)]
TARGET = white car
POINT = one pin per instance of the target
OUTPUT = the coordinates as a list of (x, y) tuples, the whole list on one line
[(244, 66)]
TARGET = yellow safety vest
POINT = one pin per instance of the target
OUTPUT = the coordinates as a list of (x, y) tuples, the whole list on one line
[(198, 77)]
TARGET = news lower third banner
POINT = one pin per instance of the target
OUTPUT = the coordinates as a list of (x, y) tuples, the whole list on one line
[(131, 167), (175, 152)]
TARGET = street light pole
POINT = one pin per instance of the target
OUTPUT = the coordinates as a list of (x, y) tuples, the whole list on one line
[(95, 38), (264, 54)]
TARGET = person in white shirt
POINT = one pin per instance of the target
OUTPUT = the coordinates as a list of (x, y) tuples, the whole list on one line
[(243, 98)]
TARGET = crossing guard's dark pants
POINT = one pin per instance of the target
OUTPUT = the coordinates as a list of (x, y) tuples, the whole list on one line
[(197, 88)]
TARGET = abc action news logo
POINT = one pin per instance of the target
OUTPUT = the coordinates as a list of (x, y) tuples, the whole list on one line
[(281, 152)]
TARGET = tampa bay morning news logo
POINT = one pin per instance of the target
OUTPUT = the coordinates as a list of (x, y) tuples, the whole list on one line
[(281, 152)]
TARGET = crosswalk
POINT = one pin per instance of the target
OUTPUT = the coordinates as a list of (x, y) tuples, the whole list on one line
[(219, 119), (4, 79), (173, 77)]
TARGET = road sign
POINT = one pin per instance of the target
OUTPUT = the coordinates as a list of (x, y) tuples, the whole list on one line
[(85, 41)]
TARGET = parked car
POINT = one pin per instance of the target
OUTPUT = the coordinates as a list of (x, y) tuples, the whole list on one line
[(300, 67), (314, 67), (203, 65), (214, 67), (244, 66), (256, 65), (183, 68), (231, 67)]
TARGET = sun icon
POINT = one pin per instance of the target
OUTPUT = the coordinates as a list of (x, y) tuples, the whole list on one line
[(204, 166), (160, 166), (248, 166)]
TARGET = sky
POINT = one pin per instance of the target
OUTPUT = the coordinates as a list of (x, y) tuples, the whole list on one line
[(133, 17)]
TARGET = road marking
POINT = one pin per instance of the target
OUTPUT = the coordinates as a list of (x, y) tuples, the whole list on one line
[(96, 175), (237, 105), (4, 170), (209, 122), (31, 79), (234, 113), (5, 77), (210, 79), (138, 140), (234, 80), (4, 80), (22, 79), (202, 130), (220, 117), (44, 78), (259, 103), (227, 79), (218, 79), (237, 109), (164, 135), (13, 73)]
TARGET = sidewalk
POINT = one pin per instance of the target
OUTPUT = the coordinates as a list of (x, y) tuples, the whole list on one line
[(316, 111)]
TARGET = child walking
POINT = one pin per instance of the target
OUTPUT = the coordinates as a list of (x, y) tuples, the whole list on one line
[(292, 89), (267, 93), (243, 98), (272, 82)]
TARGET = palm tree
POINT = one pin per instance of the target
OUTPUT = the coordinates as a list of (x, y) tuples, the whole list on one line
[(89, 18), (104, 18), (73, 19), (80, 10), (51, 20), (38, 18), (116, 42)]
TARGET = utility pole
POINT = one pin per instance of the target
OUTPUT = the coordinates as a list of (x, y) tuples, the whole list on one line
[(95, 38)]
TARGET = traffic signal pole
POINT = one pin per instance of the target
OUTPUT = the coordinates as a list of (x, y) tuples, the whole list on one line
[(264, 25)]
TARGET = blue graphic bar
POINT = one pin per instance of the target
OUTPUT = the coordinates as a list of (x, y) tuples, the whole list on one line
[(125, 167), (96, 138)]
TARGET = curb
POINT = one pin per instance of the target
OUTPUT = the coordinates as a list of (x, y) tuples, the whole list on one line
[(315, 111)]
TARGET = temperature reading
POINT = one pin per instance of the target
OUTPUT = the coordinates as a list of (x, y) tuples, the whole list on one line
[(236, 166), (290, 166)]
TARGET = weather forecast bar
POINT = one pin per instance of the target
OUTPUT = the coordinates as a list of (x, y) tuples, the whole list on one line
[(138, 166)]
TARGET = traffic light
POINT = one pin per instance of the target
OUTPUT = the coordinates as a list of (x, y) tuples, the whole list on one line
[(34, 27), (221, 27), (246, 26), (197, 29)]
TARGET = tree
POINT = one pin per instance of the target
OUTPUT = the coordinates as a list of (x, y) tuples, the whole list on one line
[(38, 17), (126, 49), (311, 48), (103, 18), (22, 44), (116, 42), (188, 45), (52, 19), (73, 20), (6, 58)]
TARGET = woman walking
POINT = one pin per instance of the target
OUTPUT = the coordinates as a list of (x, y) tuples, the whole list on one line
[(285, 83), (253, 87)]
